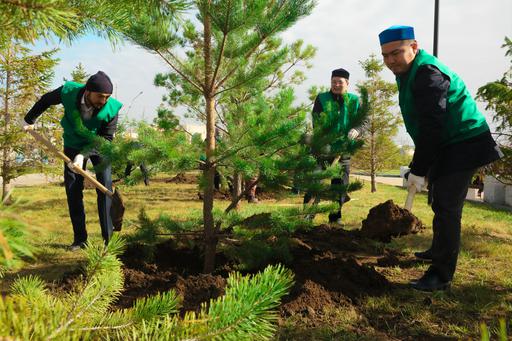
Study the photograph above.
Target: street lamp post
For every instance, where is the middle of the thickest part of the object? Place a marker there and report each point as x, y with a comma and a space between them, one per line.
436, 25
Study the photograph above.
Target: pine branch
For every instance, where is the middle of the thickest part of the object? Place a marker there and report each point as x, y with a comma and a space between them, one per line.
178, 71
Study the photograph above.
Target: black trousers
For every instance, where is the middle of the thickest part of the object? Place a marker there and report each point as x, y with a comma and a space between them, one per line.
448, 196
343, 180
145, 174
74, 191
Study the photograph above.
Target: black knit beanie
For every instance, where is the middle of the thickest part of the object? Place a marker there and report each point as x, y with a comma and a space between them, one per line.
340, 73
99, 82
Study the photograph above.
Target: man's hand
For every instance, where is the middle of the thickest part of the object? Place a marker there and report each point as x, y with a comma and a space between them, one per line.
353, 134
307, 138
78, 162
26, 126
326, 150
416, 181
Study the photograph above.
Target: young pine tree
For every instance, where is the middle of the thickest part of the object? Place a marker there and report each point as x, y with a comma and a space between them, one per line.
221, 40
381, 124
23, 77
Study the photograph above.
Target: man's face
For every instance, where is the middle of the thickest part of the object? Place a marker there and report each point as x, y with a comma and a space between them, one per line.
399, 55
339, 85
96, 99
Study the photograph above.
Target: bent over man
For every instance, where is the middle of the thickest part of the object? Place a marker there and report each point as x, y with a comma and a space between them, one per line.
89, 111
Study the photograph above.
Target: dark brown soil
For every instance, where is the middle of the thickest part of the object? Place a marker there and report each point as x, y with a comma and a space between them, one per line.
388, 220
332, 267
184, 178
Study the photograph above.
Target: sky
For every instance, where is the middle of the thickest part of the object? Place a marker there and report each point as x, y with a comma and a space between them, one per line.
344, 32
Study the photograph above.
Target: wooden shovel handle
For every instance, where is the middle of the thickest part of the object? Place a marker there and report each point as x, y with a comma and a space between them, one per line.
67, 160
410, 197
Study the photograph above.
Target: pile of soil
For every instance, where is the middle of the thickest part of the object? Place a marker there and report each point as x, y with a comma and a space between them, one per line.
388, 220
184, 178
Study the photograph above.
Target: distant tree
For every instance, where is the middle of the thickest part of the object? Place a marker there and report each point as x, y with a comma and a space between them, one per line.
379, 150
78, 75
216, 48
23, 77
498, 95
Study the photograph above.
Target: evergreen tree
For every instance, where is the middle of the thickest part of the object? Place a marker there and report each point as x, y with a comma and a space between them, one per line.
79, 75
498, 95
250, 115
23, 78
381, 124
224, 37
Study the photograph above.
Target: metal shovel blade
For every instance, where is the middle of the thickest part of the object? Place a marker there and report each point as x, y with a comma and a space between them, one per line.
117, 210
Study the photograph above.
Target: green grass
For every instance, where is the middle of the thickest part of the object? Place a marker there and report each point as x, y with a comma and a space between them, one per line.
481, 291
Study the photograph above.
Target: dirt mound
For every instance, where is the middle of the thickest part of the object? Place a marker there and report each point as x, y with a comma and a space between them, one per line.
310, 298
388, 220
218, 195
198, 289
184, 178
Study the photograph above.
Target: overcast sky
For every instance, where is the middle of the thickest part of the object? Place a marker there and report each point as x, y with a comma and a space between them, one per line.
471, 33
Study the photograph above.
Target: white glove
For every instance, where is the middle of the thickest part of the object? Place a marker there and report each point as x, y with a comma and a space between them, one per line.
353, 134
26, 126
308, 137
417, 181
326, 149
78, 162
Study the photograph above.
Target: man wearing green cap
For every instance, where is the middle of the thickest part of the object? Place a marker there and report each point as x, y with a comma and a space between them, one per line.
89, 111
341, 105
451, 138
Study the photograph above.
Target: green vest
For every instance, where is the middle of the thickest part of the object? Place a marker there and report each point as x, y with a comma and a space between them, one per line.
342, 116
462, 121
77, 132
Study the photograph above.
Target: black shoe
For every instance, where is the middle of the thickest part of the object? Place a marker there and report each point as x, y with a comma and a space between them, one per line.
424, 255
76, 246
430, 282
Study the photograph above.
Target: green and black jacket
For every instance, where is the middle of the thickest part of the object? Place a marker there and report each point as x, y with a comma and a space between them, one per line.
448, 130
77, 133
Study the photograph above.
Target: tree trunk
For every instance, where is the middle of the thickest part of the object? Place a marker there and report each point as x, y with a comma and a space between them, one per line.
237, 190
372, 162
210, 234
234, 201
6, 152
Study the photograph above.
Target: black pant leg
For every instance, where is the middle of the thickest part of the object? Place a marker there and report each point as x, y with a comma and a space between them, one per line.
74, 184
343, 180
449, 193
104, 176
145, 173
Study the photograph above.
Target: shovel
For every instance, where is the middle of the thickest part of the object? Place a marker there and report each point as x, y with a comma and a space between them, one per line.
116, 209
410, 197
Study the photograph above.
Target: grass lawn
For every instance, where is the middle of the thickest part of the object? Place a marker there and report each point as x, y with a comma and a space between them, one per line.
481, 291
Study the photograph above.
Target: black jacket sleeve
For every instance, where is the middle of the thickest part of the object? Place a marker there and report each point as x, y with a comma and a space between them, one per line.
317, 107
47, 100
430, 91
108, 129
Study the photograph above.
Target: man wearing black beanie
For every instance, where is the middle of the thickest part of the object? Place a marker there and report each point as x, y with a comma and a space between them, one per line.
89, 111
341, 105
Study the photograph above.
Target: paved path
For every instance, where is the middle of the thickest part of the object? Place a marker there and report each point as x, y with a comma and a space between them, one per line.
388, 180
35, 180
